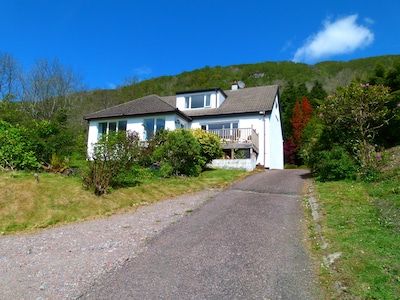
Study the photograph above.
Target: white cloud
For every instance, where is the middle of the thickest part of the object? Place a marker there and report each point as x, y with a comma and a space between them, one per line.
144, 70
111, 85
340, 37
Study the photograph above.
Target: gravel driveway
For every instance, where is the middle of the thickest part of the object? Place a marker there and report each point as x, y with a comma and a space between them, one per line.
245, 242
62, 262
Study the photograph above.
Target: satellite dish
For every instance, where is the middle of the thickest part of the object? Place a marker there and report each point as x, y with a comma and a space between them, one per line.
241, 84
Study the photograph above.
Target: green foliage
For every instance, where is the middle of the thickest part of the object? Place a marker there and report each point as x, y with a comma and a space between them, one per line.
11, 112
360, 107
16, 152
358, 111
113, 159
334, 164
145, 157
317, 94
180, 154
51, 137
210, 145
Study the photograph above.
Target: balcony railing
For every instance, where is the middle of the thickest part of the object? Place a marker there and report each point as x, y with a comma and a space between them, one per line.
240, 137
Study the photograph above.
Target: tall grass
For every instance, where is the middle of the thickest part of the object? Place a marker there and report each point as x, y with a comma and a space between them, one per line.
27, 205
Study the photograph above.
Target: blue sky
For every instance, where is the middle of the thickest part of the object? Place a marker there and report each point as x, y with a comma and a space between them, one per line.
111, 41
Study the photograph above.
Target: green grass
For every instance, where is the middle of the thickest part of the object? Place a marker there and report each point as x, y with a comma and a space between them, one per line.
362, 222
27, 205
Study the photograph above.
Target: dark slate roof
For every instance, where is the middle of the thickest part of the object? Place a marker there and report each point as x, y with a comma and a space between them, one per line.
241, 101
151, 104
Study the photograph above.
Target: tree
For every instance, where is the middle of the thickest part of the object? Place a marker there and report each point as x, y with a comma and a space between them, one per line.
52, 139
10, 74
49, 86
378, 77
357, 112
392, 79
302, 114
317, 94
288, 101
302, 90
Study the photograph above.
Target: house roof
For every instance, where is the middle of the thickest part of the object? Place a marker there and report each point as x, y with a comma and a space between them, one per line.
151, 104
247, 100
214, 89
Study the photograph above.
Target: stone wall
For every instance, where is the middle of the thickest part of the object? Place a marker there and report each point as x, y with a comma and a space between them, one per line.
248, 164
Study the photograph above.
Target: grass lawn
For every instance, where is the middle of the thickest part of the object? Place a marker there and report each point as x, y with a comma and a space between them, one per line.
27, 205
361, 221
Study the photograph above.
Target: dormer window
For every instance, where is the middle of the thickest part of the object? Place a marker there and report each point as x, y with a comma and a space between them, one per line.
200, 99
197, 101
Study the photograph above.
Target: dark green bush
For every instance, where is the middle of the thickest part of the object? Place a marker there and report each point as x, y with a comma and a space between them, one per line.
335, 164
16, 151
180, 154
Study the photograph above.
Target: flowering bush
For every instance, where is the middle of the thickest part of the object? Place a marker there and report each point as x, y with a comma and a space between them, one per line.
357, 112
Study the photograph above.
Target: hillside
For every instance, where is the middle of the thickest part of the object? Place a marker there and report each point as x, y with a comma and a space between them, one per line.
329, 73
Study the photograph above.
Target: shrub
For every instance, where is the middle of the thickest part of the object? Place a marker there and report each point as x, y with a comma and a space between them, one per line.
16, 152
51, 138
358, 112
334, 164
113, 156
145, 158
210, 145
180, 154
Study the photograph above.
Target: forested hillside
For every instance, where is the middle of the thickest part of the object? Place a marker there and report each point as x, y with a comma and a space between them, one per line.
329, 74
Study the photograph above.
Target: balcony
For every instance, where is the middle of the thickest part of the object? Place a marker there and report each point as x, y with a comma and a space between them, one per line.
238, 139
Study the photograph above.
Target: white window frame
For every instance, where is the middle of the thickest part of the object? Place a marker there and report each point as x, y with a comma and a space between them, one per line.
117, 123
150, 132
206, 101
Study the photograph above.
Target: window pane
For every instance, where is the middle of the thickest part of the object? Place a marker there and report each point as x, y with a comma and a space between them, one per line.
102, 129
226, 125
160, 124
187, 99
197, 101
214, 126
148, 128
122, 125
208, 101
112, 127
235, 125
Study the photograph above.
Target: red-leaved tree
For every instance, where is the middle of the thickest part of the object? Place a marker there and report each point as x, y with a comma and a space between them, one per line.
302, 114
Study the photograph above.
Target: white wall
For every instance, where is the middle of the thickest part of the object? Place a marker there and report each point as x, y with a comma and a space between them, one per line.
133, 125
276, 138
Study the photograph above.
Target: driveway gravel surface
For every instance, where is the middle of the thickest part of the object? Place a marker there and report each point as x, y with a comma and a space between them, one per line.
247, 242
62, 262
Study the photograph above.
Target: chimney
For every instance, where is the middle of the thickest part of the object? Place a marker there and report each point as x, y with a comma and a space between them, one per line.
235, 85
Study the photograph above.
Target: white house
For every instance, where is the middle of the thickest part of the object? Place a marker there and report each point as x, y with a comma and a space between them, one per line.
248, 120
